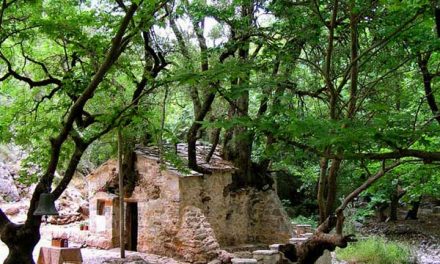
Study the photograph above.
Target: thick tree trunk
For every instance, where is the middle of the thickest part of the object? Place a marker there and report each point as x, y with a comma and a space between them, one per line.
394, 204
322, 186
332, 186
309, 251
412, 213
21, 241
423, 61
128, 166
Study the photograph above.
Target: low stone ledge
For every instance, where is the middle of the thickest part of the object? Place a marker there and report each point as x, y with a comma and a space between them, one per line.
243, 261
297, 240
267, 256
307, 235
275, 247
265, 252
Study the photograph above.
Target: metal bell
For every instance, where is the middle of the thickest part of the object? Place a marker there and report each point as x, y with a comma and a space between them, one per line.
46, 205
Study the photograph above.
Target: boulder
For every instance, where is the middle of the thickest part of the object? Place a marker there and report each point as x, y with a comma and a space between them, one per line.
12, 210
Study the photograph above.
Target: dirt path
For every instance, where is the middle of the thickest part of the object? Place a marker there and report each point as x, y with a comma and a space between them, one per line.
90, 255
96, 256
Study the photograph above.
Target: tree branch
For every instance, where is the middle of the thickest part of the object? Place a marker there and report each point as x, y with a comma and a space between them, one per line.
27, 80
426, 156
366, 184
75, 111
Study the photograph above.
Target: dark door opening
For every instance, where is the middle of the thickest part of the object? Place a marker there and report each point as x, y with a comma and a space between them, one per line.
131, 226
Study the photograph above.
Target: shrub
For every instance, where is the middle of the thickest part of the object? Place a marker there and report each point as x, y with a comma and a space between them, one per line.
375, 250
303, 220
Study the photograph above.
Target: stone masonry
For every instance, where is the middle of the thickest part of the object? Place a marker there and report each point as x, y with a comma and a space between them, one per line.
188, 216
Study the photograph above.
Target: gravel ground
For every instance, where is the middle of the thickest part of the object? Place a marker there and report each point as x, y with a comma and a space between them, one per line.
96, 256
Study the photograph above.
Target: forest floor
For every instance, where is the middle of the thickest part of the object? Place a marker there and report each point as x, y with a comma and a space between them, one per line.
422, 234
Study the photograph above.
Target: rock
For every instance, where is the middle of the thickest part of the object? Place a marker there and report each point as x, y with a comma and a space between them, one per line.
13, 210
243, 261
128, 260
84, 210
65, 219
196, 238
297, 240
326, 258
266, 256
8, 190
274, 247
357, 225
224, 256
436, 210
99, 242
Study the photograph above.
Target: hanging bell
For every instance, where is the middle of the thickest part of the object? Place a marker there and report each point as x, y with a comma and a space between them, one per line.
46, 205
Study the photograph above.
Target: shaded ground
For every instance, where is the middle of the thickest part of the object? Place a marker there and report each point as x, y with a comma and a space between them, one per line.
90, 255
96, 256
422, 234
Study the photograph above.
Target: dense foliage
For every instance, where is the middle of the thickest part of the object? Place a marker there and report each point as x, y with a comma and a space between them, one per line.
341, 94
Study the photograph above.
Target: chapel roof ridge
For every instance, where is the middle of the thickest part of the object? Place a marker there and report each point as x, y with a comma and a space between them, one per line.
216, 163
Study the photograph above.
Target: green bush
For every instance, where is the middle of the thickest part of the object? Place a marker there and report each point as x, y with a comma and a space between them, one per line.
375, 250
303, 220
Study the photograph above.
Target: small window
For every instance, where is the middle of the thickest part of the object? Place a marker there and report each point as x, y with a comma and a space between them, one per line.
100, 207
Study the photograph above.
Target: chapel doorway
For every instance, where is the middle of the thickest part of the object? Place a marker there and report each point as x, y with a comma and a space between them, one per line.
131, 226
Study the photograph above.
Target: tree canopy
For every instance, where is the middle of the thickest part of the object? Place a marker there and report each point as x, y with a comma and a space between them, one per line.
343, 92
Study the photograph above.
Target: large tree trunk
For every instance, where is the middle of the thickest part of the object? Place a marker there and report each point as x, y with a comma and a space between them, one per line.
332, 186
394, 204
412, 213
309, 251
322, 186
21, 241
128, 166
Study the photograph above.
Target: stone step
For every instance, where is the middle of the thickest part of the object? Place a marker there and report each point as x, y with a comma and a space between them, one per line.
297, 240
243, 261
307, 235
245, 247
274, 247
267, 256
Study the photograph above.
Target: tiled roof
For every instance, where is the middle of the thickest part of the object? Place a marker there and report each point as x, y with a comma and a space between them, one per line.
216, 163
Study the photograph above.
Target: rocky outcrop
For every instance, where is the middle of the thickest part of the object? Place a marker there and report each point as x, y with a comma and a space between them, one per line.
9, 167
15, 195
196, 240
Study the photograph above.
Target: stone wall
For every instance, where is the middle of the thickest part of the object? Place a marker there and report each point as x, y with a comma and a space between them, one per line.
104, 228
98, 179
158, 196
272, 222
190, 217
237, 217
195, 241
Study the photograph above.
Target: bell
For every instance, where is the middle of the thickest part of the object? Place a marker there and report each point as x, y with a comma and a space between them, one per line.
46, 205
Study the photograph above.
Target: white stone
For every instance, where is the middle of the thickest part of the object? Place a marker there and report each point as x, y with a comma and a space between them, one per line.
243, 261
307, 235
297, 240
265, 252
275, 247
